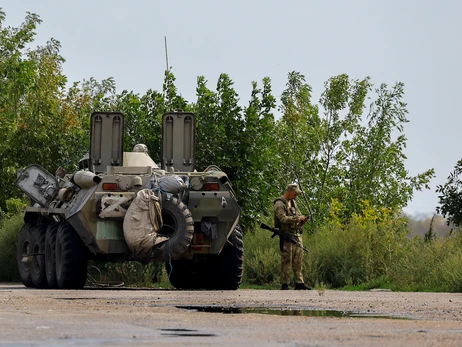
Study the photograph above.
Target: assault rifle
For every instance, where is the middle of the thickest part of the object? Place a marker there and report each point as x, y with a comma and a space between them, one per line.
283, 236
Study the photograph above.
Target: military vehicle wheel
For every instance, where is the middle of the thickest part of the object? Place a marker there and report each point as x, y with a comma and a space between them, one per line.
50, 255
22, 255
178, 226
187, 274
71, 258
230, 265
38, 275
222, 272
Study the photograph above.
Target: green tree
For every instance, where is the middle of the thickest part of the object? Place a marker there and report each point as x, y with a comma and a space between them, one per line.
450, 197
40, 120
78, 103
172, 100
377, 171
256, 176
32, 123
342, 156
209, 134
241, 141
143, 115
142, 120
16, 78
219, 126
298, 139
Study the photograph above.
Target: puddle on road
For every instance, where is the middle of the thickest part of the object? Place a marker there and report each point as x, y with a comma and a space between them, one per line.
184, 332
286, 312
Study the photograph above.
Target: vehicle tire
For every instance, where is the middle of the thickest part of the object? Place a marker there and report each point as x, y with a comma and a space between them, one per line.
222, 272
38, 274
71, 258
188, 274
178, 226
22, 253
230, 266
50, 255
179, 274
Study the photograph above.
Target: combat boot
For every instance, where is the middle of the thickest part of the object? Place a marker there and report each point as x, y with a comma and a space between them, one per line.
301, 286
285, 286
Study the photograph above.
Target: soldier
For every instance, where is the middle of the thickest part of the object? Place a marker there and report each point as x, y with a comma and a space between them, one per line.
288, 219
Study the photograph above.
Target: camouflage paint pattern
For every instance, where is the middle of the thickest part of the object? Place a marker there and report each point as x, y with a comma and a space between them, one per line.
286, 220
291, 258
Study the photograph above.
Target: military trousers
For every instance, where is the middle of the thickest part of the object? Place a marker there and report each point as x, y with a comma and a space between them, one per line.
291, 259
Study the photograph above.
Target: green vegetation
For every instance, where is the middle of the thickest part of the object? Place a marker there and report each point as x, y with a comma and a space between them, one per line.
135, 274
450, 199
9, 230
337, 149
373, 250
345, 150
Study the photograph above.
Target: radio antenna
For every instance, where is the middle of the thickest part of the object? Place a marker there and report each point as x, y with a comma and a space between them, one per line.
166, 52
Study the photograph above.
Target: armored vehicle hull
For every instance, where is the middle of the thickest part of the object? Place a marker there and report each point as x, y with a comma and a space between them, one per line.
122, 207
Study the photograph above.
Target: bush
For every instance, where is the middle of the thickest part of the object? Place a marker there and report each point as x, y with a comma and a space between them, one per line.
430, 266
372, 250
261, 258
9, 230
449, 274
361, 251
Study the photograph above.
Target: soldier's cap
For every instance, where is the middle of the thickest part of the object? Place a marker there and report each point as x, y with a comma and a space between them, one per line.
294, 187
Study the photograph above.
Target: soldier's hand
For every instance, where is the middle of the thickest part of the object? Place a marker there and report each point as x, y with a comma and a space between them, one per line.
302, 219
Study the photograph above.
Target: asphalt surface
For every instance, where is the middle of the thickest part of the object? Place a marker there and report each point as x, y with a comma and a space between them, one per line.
148, 317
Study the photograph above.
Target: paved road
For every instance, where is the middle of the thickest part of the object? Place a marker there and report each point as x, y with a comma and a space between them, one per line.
147, 317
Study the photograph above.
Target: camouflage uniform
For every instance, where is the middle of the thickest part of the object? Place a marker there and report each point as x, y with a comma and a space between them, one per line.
286, 219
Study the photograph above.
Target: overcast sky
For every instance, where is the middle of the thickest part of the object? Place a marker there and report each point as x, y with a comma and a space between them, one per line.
414, 42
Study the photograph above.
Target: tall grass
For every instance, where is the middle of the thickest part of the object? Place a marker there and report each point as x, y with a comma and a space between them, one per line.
130, 273
372, 250
261, 258
9, 230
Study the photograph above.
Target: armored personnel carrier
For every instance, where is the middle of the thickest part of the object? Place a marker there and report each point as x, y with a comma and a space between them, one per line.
121, 206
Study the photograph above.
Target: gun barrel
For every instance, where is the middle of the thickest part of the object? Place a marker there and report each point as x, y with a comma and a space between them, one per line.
283, 235
264, 226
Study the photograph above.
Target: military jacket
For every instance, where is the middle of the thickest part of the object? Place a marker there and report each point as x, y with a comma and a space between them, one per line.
286, 216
